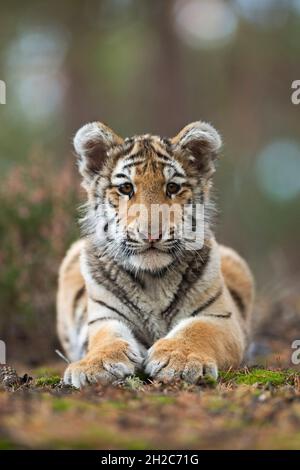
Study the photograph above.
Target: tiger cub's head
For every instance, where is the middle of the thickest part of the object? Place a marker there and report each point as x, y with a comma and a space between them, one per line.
147, 196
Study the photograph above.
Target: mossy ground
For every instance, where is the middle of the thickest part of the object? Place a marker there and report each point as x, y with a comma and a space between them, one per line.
247, 408
259, 376
48, 380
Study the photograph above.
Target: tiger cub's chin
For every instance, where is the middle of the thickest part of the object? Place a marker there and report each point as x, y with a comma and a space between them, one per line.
151, 261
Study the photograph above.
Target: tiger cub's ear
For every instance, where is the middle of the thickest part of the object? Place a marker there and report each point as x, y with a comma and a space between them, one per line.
201, 142
91, 144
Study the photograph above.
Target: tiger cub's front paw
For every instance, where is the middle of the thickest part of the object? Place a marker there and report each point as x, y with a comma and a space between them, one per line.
106, 365
169, 360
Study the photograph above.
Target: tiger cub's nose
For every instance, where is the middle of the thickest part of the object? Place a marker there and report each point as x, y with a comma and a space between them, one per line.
151, 236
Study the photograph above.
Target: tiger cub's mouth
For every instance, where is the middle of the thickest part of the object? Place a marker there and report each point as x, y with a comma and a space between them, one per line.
152, 256
152, 247
150, 260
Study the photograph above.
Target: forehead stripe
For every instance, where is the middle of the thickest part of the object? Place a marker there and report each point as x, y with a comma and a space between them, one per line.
134, 163
163, 156
131, 156
178, 175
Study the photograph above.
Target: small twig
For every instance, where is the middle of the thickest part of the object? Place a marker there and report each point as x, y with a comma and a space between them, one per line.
62, 356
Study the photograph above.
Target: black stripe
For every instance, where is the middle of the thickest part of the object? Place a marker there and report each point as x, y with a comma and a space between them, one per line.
193, 273
161, 272
129, 143
166, 141
179, 175
137, 334
113, 309
111, 204
135, 163
116, 290
124, 151
133, 156
120, 175
100, 319
100, 270
136, 279
225, 315
183, 192
208, 303
78, 296
238, 301
102, 273
170, 164
164, 157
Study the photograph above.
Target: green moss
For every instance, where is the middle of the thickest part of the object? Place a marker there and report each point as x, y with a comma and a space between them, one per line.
45, 372
48, 381
262, 377
209, 381
259, 376
133, 383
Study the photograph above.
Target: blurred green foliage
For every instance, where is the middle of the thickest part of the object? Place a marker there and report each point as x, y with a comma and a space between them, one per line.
37, 224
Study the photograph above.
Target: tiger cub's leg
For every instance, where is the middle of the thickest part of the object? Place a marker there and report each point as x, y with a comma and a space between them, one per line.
113, 353
196, 348
216, 338
240, 283
72, 325
104, 351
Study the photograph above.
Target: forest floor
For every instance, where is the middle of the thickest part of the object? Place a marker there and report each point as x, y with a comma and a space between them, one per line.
249, 408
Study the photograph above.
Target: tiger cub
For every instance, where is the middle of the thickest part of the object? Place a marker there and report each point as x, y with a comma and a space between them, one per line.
135, 293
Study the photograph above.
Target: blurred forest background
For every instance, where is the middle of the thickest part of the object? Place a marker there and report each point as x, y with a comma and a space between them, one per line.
146, 66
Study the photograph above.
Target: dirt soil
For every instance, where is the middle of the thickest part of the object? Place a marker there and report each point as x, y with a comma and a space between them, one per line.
250, 408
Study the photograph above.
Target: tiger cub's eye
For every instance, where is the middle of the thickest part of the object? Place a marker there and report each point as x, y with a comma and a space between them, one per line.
173, 188
126, 189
